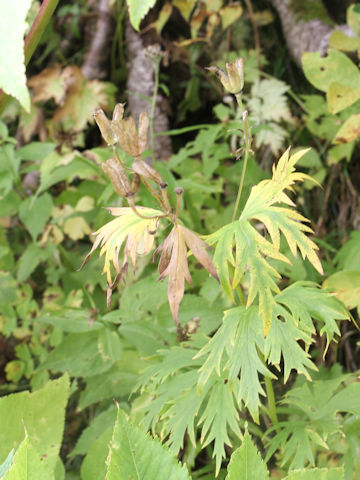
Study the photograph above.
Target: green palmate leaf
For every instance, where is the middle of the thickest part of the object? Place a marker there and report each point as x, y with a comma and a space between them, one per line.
12, 30
233, 352
246, 463
297, 307
253, 249
28, 465
313, 418
134, 454
42, 413
219, 415
316, 474
306, 301
128, 229
282, 343
138, 9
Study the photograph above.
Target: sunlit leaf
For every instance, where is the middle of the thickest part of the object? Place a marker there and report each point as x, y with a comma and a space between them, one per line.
241, 248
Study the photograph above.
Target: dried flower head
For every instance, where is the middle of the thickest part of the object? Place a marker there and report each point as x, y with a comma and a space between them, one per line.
123, 131
233, 80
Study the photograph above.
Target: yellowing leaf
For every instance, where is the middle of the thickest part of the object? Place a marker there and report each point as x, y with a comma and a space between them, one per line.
349, 131
230, 14
48, 84
346, 285
82, 98
173, 262
340, 97
129, 228
76, 228
241, 248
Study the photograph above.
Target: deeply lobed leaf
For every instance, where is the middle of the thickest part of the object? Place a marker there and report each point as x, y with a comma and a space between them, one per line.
240, 248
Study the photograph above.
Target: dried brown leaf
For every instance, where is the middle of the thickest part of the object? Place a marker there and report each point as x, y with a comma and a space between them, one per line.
173, 263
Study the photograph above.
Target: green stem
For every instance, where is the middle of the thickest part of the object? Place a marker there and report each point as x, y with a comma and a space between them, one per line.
270, 394
152, 113
33, 38
37, 29
247, 133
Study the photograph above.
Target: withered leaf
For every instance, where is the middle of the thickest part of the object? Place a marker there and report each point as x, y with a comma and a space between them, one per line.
173, 263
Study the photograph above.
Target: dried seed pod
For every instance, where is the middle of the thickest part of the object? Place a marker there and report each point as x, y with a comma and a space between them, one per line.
115, 171
144, 122
105, 126
144, 170
233, 80
118, 112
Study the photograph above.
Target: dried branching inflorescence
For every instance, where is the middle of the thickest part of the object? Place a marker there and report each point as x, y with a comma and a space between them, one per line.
123, 131
135, 227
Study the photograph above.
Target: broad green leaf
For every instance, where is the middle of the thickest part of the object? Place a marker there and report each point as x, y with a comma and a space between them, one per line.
36, 151
336, 67
348, 257
93, 466
42, 413
340, 41
7, 463
353, 18
7, 288
33, 255
52, 174
347, 400
316, 474
349, 131
12, 30
138, 9
35, 212
134, 454
80, 354
246, 463
28, 465
102, 422
340, 97
346, 285
252, 249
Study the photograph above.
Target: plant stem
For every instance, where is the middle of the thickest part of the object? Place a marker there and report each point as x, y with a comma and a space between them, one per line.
152, 113
247, 133
33, 38
37, 29
270, 394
